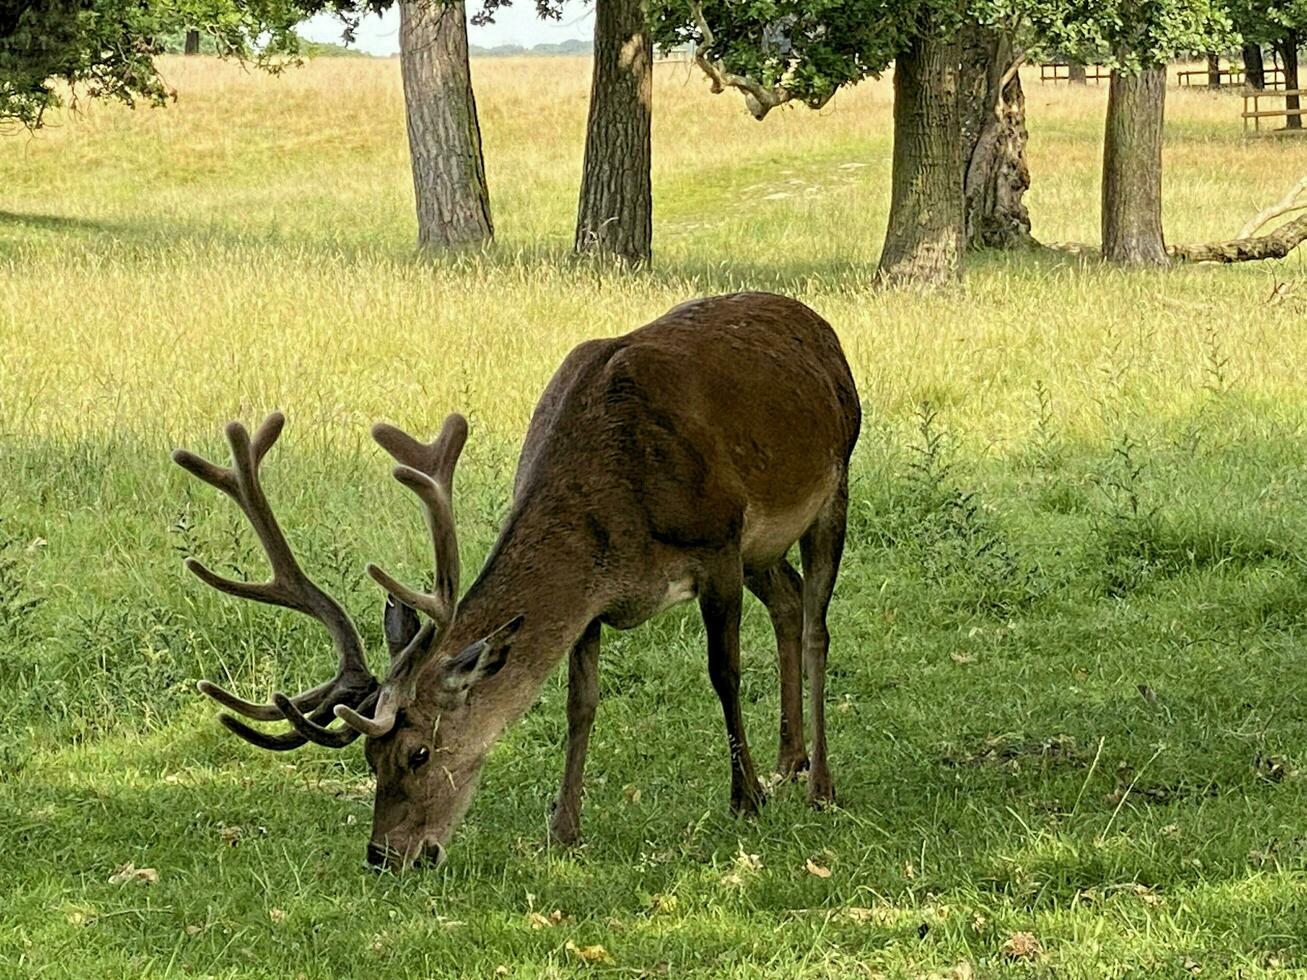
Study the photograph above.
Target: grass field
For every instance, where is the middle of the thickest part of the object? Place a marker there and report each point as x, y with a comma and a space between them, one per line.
1068, 730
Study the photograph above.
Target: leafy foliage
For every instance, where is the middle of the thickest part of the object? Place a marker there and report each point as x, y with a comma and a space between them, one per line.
61, 49
1124, 34
104, 46
1264, 21
811, 48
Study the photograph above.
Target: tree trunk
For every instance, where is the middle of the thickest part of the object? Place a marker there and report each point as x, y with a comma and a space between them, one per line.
192, 42
1132, 168
993, 124
1288, 46
1213, 70
444, 138
615, 214
1076, 73
1254, 71
923, 243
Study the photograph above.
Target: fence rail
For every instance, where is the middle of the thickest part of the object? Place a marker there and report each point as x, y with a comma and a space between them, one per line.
1272, 77
1257, 113
1060, 71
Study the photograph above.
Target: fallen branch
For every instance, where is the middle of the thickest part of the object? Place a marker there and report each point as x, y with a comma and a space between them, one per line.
1276, 245
1248, 247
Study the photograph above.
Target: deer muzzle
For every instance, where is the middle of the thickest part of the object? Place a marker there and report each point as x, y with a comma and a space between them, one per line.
383, 857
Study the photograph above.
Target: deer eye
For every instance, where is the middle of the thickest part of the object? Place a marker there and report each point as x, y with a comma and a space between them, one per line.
419, 758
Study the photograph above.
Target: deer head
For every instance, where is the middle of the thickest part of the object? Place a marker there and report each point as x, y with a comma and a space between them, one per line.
420, 742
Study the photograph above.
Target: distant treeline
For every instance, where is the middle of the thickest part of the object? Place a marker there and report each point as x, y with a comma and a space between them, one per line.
174, 42
572, 46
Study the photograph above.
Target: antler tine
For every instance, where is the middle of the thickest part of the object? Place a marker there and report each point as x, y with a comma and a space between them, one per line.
262, 712
313, 727
308, 731
428, 471
289, 587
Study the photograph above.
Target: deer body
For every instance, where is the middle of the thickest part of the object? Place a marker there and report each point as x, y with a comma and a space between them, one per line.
679, 461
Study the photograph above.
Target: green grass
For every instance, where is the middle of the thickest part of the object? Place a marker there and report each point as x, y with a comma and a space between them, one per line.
1066, 672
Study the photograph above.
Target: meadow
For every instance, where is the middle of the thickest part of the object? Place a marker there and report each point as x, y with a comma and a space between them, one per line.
1068, 720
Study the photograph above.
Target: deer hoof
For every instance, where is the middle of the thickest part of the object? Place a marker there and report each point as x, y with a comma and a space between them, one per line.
821, 789
790, 763
748, 802
564, 828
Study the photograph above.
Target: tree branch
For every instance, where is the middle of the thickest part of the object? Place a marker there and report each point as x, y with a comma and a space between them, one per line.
759, 99
1286, 204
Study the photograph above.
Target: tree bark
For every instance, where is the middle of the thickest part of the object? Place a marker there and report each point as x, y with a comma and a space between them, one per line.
993, 124
1288, 46
615, 213
1254, 70
1132, 168
923, 243
1213, 70
192, 42
1076, 73
444, 137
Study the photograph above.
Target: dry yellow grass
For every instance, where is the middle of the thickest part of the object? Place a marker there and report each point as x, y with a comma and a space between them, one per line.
249, 246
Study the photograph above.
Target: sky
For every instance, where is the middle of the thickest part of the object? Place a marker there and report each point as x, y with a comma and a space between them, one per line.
517, 24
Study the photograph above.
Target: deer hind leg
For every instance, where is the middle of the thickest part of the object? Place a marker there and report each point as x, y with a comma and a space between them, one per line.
582, 698
821, 547
780, 589
719, 603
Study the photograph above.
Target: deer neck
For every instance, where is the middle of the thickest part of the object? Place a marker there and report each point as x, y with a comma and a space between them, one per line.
553, 582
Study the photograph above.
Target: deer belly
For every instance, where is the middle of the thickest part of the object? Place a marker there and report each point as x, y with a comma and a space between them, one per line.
768, 534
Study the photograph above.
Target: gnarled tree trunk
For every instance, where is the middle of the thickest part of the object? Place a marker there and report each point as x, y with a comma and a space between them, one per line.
1288, 46
923, 244
1076, 73
1213, 70
192, 42
444, 137
993, 124
1132, 168
1254, 70
615, 215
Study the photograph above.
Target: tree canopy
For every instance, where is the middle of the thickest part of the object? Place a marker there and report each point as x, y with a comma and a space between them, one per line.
1265, 21
58, 50
1122, 34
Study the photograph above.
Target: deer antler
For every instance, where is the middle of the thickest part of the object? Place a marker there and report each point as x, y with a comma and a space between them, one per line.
428, 470
289, 587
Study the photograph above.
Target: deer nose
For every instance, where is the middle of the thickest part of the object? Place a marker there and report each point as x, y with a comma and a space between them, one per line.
381, 856
432, 856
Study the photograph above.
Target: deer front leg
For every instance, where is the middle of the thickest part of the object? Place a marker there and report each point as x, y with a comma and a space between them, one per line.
582, 697
719, 603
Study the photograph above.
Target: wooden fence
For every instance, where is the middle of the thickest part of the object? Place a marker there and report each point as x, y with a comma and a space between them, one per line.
1060, 71
1256, 113
1272, 77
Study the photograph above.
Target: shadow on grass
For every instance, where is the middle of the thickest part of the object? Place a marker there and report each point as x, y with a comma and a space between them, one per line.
51, 222
785, 273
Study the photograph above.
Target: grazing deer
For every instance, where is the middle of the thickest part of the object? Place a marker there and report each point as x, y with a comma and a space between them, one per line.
679, 461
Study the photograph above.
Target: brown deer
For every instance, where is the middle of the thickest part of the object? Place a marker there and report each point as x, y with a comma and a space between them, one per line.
679, 461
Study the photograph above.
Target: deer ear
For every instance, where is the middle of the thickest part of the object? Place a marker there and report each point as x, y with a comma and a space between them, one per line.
484, 658
401, 624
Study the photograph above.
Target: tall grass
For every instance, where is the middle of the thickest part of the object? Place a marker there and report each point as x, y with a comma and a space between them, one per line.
1067, 639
